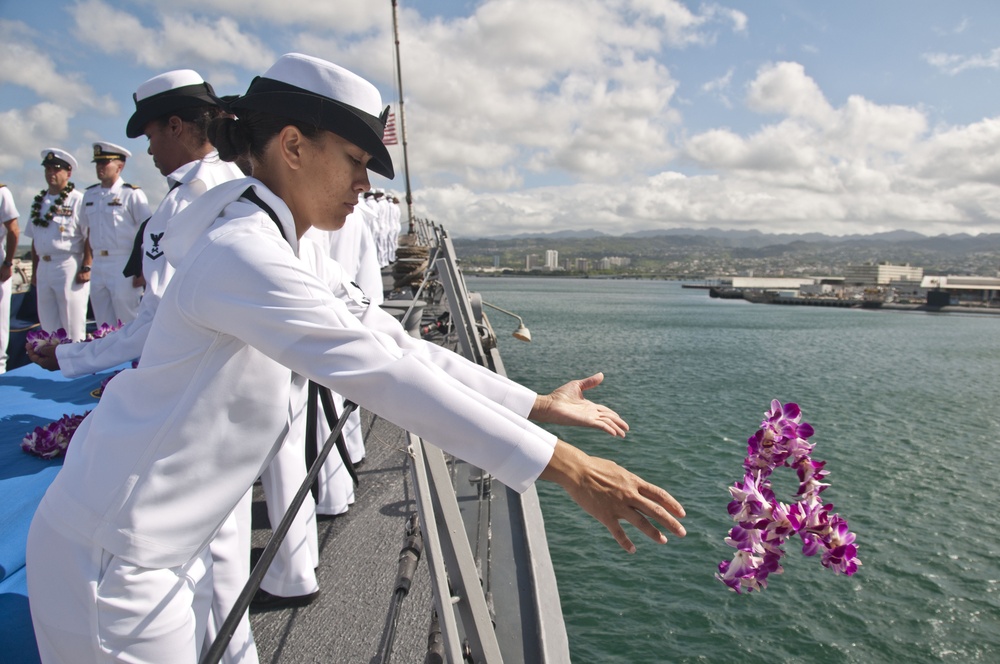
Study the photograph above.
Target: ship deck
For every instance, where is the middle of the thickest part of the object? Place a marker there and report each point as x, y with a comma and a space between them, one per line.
359, 551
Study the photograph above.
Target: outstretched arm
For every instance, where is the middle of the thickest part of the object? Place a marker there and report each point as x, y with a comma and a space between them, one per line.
566, 405
611, 494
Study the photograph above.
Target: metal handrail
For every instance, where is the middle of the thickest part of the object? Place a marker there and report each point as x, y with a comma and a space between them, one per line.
459, 586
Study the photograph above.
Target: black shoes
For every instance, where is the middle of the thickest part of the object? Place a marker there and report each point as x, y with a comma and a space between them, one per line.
265, 601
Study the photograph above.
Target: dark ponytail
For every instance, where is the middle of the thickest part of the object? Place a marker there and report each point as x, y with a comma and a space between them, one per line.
244, 138
230, 138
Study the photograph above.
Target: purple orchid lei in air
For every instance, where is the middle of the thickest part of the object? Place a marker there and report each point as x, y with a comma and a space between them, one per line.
764, 523
52, 440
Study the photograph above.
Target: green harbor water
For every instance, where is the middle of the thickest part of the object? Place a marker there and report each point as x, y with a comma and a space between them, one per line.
905, 407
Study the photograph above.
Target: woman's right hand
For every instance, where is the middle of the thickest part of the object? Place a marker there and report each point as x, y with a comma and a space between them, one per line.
611, 494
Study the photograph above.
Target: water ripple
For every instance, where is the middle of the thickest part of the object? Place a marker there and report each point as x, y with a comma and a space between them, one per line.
904, 408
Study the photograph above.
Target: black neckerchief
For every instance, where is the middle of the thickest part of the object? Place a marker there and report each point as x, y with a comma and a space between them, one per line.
252, 196
134, 266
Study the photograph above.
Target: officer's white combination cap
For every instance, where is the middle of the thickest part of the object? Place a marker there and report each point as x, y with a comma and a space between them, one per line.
322, 94
167, 93
104, 151
58, 157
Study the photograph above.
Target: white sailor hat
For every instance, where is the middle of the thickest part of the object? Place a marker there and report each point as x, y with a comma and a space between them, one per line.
320, 93
58, 157
104, 151
168, 93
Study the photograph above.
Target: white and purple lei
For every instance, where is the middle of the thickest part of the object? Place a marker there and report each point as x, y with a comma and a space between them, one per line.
764, 523
51, 441
39, 338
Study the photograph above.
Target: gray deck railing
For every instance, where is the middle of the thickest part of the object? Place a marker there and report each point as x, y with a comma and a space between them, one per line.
539, 634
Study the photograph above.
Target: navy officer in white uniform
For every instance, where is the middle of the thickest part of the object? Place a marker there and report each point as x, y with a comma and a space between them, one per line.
118, 548
114, 210
60, 257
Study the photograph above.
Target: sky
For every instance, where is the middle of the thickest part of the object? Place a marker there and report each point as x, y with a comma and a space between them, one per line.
848, 117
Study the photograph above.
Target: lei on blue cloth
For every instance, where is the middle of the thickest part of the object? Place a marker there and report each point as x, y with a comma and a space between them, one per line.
52, 440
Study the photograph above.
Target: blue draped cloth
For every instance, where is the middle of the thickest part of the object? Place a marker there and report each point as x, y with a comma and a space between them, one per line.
29, 397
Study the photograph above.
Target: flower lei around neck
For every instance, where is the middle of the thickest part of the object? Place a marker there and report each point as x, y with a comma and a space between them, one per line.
763, 523
36, 206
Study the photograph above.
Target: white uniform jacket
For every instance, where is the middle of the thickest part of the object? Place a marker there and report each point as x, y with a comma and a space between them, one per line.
173, 445
63, 236
113, 217
187, 183
354, 248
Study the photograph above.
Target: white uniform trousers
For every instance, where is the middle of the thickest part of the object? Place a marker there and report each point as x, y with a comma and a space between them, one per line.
89, 606
6, 291
112, 294
336, 488
230, 553
293, 570
62, 301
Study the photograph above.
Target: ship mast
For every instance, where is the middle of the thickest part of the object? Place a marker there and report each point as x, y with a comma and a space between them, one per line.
402, 116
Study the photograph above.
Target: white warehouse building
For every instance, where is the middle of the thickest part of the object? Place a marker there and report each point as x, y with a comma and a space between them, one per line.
880, 274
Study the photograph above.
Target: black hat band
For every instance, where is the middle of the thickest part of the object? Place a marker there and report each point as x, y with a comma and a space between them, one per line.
167, 102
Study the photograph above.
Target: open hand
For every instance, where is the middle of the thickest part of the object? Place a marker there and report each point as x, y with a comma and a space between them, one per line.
566, 405
612, 494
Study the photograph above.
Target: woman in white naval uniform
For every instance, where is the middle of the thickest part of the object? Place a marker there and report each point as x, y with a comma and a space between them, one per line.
173, 110
191, 165
117, 553
114, 210
60, 256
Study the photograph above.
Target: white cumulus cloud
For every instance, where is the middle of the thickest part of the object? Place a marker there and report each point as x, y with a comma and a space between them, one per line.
23, 130
178, 38
953, 64
28, 65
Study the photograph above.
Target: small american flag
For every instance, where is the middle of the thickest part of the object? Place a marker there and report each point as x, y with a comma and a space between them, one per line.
389, 136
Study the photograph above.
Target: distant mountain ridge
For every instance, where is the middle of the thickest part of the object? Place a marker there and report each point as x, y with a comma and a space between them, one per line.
713, 250
556, 235
780, 238
754, 239
774, 238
